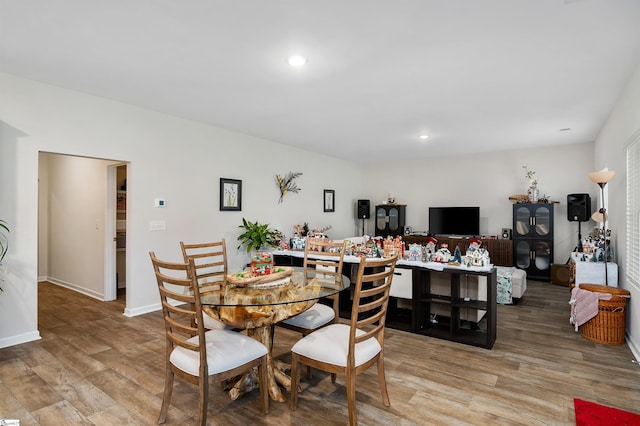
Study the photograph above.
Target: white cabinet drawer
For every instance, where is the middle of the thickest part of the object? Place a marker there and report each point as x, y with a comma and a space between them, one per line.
402, 283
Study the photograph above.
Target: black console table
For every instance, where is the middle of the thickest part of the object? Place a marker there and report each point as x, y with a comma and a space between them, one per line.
452, 303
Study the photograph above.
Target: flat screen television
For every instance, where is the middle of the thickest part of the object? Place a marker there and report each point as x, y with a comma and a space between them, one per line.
459, 221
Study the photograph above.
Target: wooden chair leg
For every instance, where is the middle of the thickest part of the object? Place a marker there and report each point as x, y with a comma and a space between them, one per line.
262, 380
308, 373
304, 334
383, 382
203, 400
351, 398
166, 396
295, 381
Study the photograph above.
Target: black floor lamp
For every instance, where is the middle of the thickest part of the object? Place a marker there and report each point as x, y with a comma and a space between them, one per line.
602, 178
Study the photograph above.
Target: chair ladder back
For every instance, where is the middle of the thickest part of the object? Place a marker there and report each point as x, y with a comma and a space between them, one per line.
370, 304
327, 255
330, 266
210, 260
333, 266
176, 319
181, 319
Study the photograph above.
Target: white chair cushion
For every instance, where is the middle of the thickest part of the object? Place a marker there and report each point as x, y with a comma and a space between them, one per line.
225, 350
213, 324
314, 317
331, 345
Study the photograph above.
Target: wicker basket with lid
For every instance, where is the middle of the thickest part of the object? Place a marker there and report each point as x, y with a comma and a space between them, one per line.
609, 325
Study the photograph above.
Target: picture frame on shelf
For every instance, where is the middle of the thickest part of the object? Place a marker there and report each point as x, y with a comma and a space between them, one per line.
329, 200
230, 194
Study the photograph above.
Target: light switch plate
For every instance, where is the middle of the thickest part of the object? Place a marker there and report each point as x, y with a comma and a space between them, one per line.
157, 225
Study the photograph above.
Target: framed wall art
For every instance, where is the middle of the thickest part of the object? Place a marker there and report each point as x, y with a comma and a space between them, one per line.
230, 194
329, 200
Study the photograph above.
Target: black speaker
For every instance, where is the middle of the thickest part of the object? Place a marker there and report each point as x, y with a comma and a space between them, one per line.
363, 209
578, 207
506, 234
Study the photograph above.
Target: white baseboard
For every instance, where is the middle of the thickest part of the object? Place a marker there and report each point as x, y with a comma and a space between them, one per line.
635, 348
19, 339
142, 310
87, 292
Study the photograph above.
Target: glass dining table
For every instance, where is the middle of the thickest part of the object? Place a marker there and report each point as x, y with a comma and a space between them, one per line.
257, 308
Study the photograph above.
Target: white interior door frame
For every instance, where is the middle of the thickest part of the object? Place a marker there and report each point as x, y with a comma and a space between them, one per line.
110, 284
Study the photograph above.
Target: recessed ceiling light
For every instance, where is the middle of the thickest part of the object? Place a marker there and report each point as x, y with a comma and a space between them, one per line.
423, 137
296, 61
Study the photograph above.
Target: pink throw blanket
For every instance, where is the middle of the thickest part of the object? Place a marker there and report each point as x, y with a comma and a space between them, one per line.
584, 305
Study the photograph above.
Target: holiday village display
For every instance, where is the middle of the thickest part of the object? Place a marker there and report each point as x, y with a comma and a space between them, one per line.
475, 256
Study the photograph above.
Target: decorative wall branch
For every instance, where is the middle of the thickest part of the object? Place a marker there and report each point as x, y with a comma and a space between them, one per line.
287, 184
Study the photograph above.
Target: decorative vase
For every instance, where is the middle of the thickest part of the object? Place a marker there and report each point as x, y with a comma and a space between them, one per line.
533, 192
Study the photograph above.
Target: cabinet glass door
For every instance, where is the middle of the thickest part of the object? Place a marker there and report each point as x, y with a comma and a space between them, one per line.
381, 218
394, 219
542, 221
543, 255
522, 224
523, 257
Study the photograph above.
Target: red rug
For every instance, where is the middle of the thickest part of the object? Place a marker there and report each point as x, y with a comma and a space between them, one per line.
592, 414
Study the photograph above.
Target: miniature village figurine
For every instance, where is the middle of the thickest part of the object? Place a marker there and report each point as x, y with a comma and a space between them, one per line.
443, 254
415, 252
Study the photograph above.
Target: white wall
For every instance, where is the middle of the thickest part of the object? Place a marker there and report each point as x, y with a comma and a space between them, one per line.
168, 157
74, 187
616, 134
18, 302
487, 180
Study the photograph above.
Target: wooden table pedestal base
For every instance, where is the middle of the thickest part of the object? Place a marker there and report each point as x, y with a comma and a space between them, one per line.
275, 371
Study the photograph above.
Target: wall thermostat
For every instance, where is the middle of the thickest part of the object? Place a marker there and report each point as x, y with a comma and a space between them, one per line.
159, 202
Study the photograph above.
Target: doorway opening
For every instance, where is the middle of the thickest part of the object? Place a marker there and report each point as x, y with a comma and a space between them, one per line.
78, 228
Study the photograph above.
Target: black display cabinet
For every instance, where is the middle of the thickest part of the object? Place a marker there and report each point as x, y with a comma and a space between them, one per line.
533, 239
390, 220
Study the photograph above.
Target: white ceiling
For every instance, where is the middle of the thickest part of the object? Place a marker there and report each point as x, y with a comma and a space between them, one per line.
476, 75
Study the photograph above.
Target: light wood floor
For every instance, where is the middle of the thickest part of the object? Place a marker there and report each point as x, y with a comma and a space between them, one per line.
94, 366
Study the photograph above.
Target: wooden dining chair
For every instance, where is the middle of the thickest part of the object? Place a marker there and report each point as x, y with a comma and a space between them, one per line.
326, 256
193, 353
210, 261
350, 349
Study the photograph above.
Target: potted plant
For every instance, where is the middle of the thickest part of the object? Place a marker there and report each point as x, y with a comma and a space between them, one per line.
4, 246
257, 236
